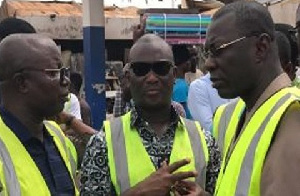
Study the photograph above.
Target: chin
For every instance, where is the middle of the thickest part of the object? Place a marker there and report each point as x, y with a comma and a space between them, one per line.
226, 94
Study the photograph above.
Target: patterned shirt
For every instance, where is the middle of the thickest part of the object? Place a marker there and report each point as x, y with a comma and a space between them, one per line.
95, 177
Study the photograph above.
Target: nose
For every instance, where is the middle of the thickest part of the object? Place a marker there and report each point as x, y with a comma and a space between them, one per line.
151, 77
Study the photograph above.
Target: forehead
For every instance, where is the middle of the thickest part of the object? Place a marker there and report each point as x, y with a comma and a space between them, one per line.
149, 52
222, 29
49, 57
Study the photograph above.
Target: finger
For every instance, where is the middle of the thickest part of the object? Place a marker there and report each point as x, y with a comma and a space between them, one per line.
182, 190
186, 183
174, 166
183, 175
164, 164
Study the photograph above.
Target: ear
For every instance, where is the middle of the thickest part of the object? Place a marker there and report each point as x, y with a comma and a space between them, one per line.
20, 83
263, 46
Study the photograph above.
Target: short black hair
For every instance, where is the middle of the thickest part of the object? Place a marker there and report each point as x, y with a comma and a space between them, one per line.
10, 26
251, 18
181, 54
284, 47
76, 80
289, 32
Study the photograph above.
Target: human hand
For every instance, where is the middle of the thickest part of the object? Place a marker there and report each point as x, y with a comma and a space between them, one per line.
63, 117
162, 181
189, 188
139, 30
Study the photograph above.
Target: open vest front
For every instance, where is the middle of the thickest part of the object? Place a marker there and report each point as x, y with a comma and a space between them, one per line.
130, 163
241, 174
19, 175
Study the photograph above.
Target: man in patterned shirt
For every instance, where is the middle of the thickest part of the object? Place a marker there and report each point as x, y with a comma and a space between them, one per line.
150, 150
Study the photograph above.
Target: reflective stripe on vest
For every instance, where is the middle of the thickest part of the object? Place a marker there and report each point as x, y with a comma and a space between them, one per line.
224, 123
61, 137
247, 164
11, 149
11, 181
119, 158
243, 170
216, 121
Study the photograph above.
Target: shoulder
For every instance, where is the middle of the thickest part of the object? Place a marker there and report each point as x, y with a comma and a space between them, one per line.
290, 120
286, 138
199, 83
283, 157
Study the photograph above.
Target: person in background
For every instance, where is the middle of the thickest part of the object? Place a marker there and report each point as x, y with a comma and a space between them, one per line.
145, 151
290, 67
203, 100
72, 106
195, 72
35, 159
181, 88
85, 110
243, 61
122, 103
9, 26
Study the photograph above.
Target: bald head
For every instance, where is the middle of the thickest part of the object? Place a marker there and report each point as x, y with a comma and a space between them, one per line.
21, 51
150, 43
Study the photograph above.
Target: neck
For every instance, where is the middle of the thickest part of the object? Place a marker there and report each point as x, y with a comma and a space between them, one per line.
158, 119
261, 85
33, 124
180, 73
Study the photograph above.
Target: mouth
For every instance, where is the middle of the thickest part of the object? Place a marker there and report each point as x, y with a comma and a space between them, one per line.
152, 91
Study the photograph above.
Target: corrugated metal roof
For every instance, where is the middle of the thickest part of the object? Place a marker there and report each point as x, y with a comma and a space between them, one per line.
115, 12
67, 8
34, 8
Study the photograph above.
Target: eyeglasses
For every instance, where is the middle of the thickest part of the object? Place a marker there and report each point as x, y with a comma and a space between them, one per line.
161, 68
214, 52
55, 74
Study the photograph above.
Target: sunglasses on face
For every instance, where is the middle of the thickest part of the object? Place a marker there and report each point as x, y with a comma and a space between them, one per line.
161, 68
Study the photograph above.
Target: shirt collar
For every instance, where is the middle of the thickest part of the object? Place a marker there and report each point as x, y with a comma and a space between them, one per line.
16, 126
136, 119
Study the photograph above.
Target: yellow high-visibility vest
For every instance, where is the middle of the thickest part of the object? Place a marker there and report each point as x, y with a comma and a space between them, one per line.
130, 163
225, 120
240, 173
19, 175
